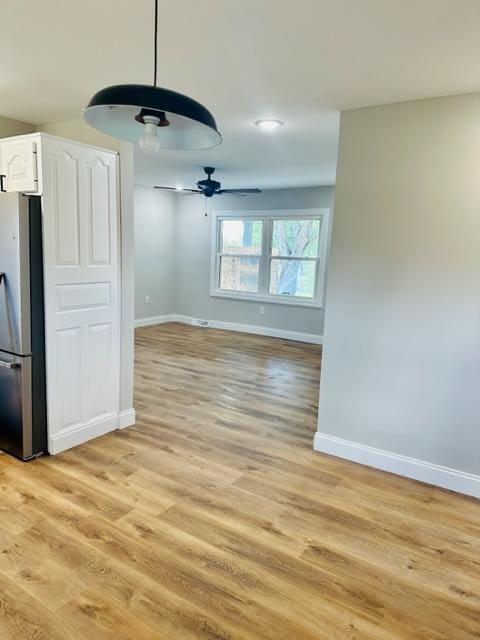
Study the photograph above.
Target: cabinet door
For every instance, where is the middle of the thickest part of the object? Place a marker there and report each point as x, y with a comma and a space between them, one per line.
19, 166
80, 216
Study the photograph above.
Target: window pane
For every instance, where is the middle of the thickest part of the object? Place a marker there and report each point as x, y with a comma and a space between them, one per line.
242, 237
239, 274
295, 238
293, 277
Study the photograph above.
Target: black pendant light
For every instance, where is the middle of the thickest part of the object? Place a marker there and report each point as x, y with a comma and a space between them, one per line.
152, 116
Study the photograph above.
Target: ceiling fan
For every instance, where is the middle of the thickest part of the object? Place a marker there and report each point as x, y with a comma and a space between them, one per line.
210, 188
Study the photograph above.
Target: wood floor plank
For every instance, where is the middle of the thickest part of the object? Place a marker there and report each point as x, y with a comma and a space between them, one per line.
82, 546
23, 617
213, 519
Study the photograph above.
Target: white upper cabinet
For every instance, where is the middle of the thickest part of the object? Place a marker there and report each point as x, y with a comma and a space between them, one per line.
20, 165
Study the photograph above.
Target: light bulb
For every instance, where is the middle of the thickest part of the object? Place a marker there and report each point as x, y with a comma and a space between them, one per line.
149, 142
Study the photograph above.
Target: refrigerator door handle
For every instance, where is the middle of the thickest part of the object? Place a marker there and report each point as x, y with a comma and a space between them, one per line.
9, 365
2, 183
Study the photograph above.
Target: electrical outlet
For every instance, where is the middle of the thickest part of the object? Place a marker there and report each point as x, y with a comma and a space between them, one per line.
262, 310
147, 299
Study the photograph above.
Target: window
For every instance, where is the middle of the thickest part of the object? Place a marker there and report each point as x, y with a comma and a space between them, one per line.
240, 253
270, 256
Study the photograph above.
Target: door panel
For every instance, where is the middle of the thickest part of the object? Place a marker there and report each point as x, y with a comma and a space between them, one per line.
82, 288
19, 160
99, 240
66, 209
69, 366
99, 346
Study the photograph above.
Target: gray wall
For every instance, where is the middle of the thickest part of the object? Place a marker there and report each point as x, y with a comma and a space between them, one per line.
79, 130
401, 367
154, 251
192, 266
9, 127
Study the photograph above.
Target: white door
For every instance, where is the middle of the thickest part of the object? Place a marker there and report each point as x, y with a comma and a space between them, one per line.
19, 166
80, 209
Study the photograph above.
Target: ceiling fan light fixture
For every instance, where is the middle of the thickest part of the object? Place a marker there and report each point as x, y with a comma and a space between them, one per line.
269, 124
125, 111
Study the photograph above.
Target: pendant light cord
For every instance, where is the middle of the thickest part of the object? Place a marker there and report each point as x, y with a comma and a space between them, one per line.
155, 42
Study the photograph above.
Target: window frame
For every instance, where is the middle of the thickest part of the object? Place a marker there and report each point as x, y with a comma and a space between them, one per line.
266, 257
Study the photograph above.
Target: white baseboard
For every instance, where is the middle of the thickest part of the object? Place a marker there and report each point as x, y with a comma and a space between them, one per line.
234, 326
126, 418
427, 472
182, 319
146, 322
267, 331
71, 437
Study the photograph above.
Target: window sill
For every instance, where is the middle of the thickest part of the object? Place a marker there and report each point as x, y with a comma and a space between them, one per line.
254, 297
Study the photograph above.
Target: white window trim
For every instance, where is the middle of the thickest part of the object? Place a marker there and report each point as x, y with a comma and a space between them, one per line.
317, 301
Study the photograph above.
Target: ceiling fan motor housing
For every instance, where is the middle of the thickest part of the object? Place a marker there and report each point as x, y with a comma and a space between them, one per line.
209, 186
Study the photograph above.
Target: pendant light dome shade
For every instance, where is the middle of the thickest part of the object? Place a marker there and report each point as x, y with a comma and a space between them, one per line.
183, 123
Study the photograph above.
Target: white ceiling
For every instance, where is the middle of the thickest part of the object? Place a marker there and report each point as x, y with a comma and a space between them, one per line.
300, 61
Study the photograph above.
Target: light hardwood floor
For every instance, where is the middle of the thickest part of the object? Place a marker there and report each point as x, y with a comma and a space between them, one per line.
213, 519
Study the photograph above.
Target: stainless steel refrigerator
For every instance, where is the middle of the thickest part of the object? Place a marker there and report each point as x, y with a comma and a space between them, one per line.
23, 421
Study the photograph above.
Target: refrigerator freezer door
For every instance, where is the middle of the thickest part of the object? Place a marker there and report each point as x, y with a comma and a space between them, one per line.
16, 406
14, 274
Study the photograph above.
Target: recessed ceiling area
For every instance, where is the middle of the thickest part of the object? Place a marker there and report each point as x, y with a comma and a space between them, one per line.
299, 62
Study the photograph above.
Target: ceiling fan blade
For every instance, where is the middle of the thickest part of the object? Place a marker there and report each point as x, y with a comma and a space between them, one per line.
179, 190
190, 192
240, 191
